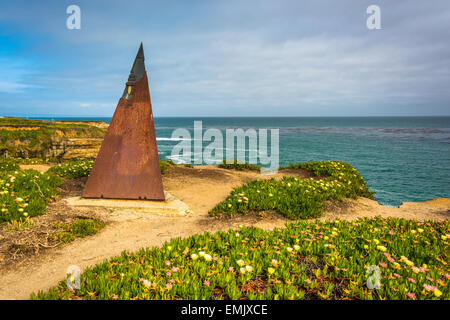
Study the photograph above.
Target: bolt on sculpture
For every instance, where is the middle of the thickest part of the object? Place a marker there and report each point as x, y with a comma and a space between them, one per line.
127, 165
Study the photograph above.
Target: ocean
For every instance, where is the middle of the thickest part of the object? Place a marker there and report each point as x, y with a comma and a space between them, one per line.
401, 158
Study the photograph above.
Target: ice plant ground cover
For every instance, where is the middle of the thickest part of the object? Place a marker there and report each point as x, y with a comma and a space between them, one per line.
24, 193
73, 169
305, 260
295, 197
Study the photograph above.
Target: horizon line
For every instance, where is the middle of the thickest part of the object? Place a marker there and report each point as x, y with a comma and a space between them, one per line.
223, 116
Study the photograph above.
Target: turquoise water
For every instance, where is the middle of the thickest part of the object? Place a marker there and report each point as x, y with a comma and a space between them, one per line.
401, 158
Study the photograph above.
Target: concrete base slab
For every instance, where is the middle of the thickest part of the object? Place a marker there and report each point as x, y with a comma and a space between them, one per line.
171, 206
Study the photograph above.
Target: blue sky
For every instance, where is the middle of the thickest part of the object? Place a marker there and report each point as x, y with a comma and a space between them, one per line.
228, 58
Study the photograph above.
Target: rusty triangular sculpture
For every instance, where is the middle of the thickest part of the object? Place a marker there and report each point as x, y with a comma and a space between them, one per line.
127, 165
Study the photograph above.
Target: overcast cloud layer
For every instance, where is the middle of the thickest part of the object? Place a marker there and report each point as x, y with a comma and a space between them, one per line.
228, 58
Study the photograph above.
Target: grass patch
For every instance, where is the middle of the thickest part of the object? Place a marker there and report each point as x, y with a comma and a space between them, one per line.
236, 165
80, 228
20, 225
305, 260
296, 198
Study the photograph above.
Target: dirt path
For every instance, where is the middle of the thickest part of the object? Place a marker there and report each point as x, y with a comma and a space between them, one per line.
39, 167
201, 188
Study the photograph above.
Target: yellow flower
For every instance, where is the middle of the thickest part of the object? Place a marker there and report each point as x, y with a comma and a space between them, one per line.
194, 256
289, 249
296, 247
326, 238
249, 268
420, 230
271, 270
409, 263
242, 270
444, 238
437, 293
366, 246
376, 241
201, 253
381, 248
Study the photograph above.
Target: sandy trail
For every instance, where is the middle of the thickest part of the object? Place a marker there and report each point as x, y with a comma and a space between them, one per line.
200, 188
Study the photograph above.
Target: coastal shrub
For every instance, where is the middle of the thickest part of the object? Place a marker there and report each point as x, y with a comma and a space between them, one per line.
239, 166
293, 197
25, 193
164, 164
73, 169
305, 260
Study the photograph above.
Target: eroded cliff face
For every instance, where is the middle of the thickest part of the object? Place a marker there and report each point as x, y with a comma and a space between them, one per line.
74, 148
61, 140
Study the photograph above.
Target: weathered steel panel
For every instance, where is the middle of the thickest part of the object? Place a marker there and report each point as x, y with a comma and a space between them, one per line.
127, 165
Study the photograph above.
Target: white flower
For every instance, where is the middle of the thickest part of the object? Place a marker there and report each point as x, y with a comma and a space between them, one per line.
201, 253
147, 283
240, 263
249, 268
207, 257
194, 256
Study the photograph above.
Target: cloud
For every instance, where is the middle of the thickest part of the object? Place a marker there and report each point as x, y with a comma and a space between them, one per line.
234, 57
